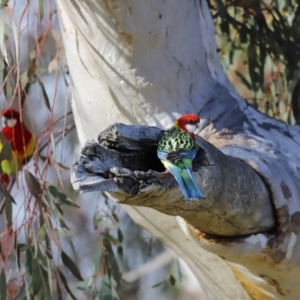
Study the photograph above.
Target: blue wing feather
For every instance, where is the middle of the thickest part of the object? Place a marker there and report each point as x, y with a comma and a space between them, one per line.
161, 154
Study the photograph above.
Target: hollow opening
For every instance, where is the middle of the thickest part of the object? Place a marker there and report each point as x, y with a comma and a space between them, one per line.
151, 161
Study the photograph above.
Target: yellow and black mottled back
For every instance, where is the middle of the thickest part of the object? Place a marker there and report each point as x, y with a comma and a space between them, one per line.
175, 145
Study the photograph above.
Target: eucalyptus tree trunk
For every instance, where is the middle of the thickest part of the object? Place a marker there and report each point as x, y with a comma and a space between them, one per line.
148, 62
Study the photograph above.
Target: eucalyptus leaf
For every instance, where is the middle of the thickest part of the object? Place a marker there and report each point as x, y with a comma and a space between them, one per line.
65, 284
33, 184
3, 285
45, 95
21, 294
296, 102
61, 196
68, 262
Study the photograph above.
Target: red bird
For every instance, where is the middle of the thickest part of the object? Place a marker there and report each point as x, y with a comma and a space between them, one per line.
21, 140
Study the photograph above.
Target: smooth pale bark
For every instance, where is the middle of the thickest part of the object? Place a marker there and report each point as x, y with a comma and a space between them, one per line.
147, 62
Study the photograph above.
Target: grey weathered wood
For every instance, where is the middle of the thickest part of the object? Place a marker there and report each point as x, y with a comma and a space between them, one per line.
124, 163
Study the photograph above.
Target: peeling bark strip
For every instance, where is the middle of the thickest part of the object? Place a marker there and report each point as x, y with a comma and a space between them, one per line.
124, 163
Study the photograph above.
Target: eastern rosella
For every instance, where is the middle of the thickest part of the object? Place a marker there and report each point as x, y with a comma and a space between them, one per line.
21, 140
177, 149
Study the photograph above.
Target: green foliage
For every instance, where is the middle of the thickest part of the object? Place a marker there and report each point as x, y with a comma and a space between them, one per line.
3, 285
68, 262
36, 273
174, 282
37, 253
37, 276
106, 280
259, 44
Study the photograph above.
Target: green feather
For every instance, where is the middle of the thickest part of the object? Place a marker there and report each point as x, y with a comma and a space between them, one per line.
177, 149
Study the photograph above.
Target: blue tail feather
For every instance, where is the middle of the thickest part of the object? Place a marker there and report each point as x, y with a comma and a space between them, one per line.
191, 185
186, 182
177, 175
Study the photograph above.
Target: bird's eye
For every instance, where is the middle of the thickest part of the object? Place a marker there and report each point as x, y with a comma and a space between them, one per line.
191, 121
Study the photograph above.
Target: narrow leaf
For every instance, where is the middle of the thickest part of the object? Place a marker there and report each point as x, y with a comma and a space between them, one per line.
6, 153
61, 196
120, 251
41, 9
35, 247
49, 276
58, 166
65, 284
97, 257
40, 282
48, 247
68, 262
243, 35
33, 185
9, 13
53, 65
3, 3
106, 224
111, 260
28, 263
158, 284
172, 280
3, 285
58, 290
53, 145
296, 102
8, 213
120, 235
42, 233
28, 269
2, 37
112, 240
21, 294
7, 196
20, 247
244, 80
96, 217
45, 96
105, 289
24, 80
63, 224
53, 232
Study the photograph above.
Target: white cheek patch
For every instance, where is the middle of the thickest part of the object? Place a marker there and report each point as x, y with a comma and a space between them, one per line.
11, 122
3, 120
191, 127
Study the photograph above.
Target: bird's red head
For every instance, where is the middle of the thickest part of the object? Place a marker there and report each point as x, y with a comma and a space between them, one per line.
10, 118
14, 130
188, 123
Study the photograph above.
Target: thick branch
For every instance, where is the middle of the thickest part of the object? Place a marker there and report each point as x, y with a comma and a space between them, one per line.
124, 163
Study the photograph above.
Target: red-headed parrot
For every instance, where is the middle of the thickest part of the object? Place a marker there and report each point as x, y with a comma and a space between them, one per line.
21, 140
176, 150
